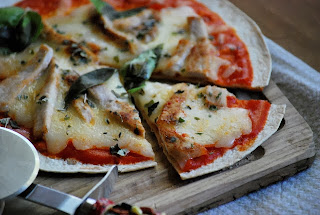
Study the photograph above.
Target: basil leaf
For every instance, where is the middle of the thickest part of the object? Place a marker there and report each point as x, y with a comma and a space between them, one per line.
23, 34
4, 50
18, 29
116, 150
37, 25
152, 107
138, 70
104, 8
14, 124
11, 16
5, 121
86, 81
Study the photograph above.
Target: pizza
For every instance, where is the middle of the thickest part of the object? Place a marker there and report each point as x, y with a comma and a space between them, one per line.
199, 46
76, 79
205, 129
76, 112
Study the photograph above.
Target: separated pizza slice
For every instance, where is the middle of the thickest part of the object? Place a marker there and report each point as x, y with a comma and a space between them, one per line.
92, 125
205, 129
76, 112
212, 43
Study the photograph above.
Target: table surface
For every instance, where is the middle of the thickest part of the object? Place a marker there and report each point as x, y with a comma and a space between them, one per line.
293, 24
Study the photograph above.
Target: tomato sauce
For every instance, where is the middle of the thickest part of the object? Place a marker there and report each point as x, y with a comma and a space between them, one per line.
44, 8
96, 156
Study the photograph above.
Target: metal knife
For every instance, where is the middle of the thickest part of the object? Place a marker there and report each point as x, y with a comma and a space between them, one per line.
19, 167
68, 203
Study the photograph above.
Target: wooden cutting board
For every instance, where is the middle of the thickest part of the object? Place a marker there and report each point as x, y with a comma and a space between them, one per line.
289, 151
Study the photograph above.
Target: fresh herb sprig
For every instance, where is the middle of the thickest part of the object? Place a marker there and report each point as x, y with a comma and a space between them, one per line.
18, 29
135, 72
86, 81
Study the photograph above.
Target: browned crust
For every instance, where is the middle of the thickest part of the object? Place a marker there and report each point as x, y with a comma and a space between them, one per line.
172, 142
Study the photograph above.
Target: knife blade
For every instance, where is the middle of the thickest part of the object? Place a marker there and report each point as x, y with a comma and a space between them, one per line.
104, 187
51, 198
68, 203
101, 190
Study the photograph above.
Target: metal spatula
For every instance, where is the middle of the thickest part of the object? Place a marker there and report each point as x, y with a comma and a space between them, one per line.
19, 166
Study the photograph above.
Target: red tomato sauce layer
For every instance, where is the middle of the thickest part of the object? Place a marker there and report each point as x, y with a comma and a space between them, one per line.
258, 113
96, 156
228, 44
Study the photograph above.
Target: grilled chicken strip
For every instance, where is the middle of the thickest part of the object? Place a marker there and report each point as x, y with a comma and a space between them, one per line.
46, 102
13, 85
83, 109
121, 110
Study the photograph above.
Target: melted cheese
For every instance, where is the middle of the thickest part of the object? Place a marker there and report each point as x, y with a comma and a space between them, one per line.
207, 127
68, 126
153, 91
212, 127
78, 26
200, 124
173, 23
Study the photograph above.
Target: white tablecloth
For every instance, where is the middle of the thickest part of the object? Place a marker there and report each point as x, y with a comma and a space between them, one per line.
299, 194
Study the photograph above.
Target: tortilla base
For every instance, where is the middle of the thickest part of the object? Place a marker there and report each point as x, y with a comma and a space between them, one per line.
63, 166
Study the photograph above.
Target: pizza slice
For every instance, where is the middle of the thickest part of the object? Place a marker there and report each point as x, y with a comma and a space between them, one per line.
205, 129
76, 112
217, 45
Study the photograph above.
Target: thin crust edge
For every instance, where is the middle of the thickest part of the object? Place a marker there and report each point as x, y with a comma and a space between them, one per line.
63, 166
249, 32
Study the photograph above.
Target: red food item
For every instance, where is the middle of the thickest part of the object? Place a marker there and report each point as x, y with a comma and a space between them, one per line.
104, 205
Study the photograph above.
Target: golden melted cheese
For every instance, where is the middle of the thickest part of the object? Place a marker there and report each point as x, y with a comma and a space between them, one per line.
198, 123
153, 91
78, 26
67, 125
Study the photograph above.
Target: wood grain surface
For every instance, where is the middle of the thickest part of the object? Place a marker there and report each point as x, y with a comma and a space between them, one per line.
284, 154
293, 24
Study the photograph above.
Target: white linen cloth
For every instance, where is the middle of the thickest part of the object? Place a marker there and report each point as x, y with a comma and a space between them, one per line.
299, 194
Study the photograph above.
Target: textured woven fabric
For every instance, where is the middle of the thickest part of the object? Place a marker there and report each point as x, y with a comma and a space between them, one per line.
299, 194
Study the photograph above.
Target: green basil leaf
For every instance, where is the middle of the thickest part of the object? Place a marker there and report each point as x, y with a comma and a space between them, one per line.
86, 81
37, 25
18, 29
11, 16
100, 5
104, 8
116, 150
23, 34
135, 72
14, 124
5, 51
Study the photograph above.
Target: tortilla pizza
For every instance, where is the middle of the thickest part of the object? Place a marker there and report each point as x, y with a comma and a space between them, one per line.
69, 91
